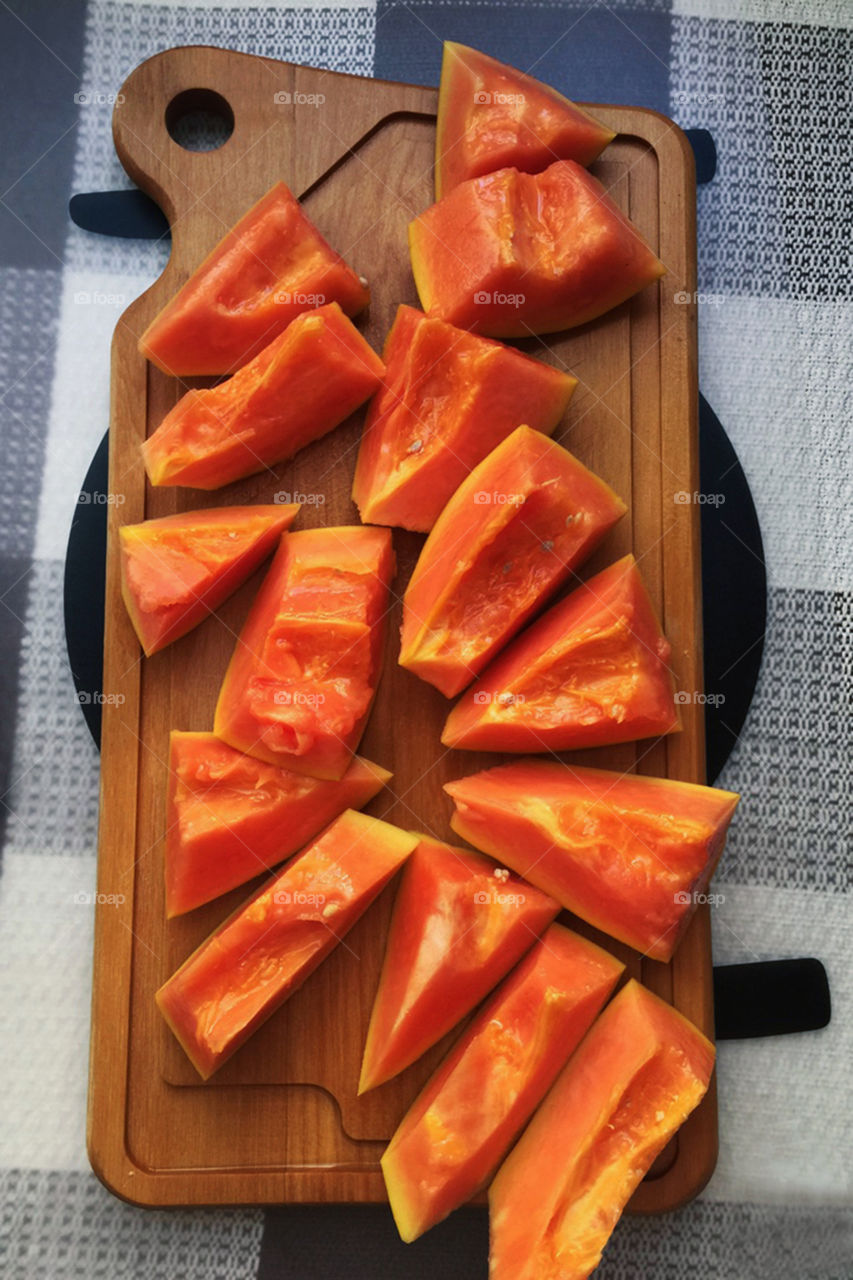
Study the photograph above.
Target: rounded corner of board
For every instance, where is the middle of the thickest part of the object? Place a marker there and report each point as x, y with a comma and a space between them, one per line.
119, 1174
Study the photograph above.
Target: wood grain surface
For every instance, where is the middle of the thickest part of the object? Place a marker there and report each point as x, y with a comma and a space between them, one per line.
281, 1121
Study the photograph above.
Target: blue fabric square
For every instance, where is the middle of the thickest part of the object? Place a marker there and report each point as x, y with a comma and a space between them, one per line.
41, 55
591, 54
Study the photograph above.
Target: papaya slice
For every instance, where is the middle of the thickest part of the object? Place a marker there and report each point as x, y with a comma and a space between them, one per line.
271, 267
492, 116
632, 855
638, 1074
513, 531
512, 254
229, 816
446, 400
309, 379
457, 929
592, 671
300, 684
266, 949
458, 1130
177, 570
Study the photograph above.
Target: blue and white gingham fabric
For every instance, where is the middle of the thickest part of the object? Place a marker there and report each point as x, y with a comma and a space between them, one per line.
771, 79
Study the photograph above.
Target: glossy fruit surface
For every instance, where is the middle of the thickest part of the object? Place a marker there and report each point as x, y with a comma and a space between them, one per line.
492, 116
270, 267
630, 854
457, 929
639, 1072
266, 949
307, 381
469, 1113
177, 570
230, 817
513, 254
592, 671
446, 400
513, 531
305, 668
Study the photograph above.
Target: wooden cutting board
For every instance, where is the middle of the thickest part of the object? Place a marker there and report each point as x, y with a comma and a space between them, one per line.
281, 1121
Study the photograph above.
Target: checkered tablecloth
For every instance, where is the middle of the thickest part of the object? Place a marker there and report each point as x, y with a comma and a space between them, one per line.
771, 79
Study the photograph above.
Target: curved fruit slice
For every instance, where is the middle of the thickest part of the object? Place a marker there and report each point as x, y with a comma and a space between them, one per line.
459, 925
177, 570
629, 854
266, 949
309, 378
298, 689
470, 1112
636, 1077
511, 534
272, 266
447, 399
511, 254
590, 672
229, 816
491, 116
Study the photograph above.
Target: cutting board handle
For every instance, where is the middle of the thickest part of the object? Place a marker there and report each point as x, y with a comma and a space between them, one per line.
202, 193
771, 998
186, 183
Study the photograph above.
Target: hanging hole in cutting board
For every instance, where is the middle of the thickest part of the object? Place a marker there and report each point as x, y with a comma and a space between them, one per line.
199, 120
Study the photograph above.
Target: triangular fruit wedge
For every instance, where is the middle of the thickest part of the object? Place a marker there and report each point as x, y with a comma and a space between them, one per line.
592, 671
309, 379
632, 855
459, 925
229, 816
177, 570
300, 684
268, 269
266, 949
637, 1075
491, 116
457, 1131
512, 533
513, 254
447, 399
